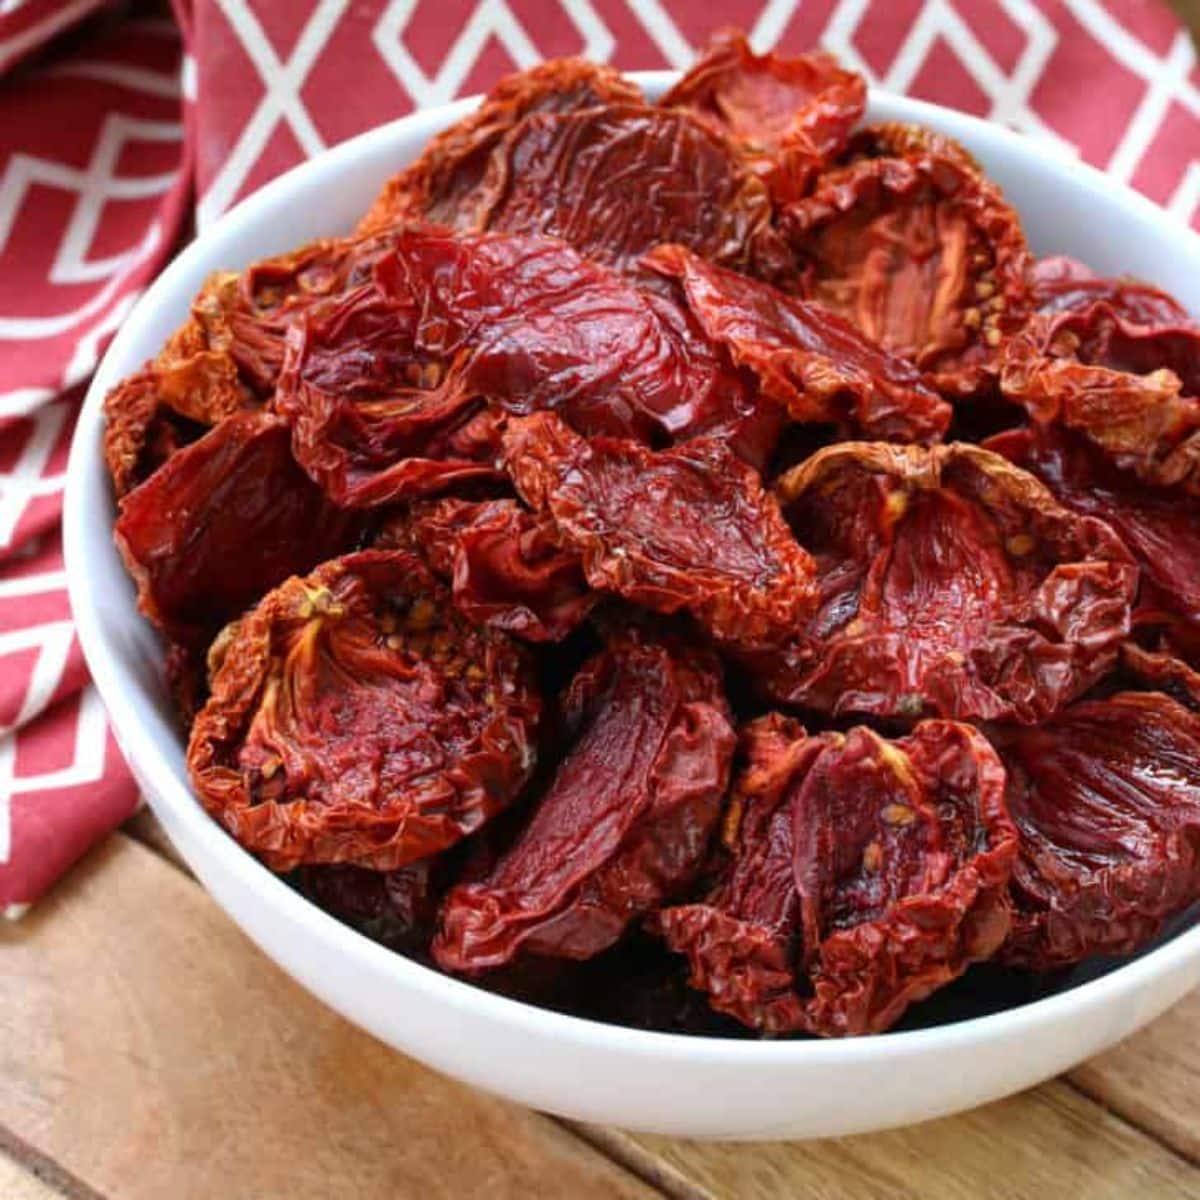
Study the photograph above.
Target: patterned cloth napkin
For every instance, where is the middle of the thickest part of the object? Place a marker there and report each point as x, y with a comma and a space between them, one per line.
123, 126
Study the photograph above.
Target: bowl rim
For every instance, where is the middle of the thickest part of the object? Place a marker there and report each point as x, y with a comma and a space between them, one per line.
148, 757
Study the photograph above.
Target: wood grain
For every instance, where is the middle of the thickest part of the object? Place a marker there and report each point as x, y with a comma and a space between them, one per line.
1050, 1142
1153, 1078
148, 1048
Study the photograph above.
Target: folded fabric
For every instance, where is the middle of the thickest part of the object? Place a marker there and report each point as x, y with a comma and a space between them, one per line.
120, 134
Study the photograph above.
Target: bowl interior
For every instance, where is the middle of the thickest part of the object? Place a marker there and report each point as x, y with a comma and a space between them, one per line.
1066, 208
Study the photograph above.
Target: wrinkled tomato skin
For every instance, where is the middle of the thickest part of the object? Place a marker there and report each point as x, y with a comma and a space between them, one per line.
689, 528
374, 421
571, 176
811, 363
226, 357
504, 564
1107, 800
444, 179
1159, 526
222, 522
354, 718
787, 117
865, 875
950, 584
923, 255
535, 326
624, 823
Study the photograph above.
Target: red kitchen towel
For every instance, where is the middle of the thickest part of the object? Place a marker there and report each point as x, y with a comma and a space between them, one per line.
116, 134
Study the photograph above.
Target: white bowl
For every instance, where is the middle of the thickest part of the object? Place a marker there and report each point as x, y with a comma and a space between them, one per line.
652, 1081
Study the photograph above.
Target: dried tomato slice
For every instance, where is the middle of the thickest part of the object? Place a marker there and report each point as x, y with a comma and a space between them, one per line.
1060, 284
817, 366
951, 583
505, 565
1160, 526
453, 164
922, 254
536, 326
220, 523
1118, 362
787, 117
226, 356
623, 824
373, 420
686, 528
355, 718
1107, 800
865, 874
396, 908
899, 139
615, 181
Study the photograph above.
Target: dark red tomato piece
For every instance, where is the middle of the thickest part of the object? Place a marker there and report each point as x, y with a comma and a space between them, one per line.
787, 116
623, 824
1107, 800
922, 254
226, 356
536, 326
1060, 285
812, 363
901, 139
1118, 362
395, 908
951, 584
616, 181
222, 522
865, 874
356, 718
686, 528
504, 563
441, 182
1160, 526
373, 419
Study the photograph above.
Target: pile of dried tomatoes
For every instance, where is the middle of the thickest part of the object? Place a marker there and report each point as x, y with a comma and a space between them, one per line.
691, 541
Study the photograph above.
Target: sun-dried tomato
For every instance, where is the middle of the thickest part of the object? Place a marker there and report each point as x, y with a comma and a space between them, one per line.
504, 563
165, 406
686, 528
1107, 800
226, 356
1160, 526
787, 117
921, 252
950, 584
813, 363
452, 165
532, 325
356, 718
616, 181
374, 420
865, 874
1060, 284
1159, 669
899, 139
623, 824
222, 522
1117, 362
396, 908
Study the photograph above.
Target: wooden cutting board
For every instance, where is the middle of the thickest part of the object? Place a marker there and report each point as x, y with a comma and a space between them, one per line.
147, 1049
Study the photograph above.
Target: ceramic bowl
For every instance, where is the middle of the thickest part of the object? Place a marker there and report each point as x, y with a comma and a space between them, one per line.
695, 1086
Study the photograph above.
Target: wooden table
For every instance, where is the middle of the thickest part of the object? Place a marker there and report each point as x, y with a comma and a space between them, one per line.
148, 1050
